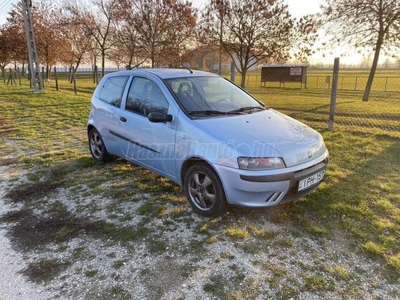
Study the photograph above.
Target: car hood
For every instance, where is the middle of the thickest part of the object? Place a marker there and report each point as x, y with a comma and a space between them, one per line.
266, 134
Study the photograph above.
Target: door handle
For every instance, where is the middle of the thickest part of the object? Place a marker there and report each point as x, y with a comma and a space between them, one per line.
122, 119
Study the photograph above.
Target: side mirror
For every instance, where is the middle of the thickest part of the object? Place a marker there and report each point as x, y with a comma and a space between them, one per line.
157, 117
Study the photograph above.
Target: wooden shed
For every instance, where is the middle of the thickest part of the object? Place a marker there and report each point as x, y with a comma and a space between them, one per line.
284, 73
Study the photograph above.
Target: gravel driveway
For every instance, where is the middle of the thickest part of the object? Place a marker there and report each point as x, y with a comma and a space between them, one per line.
173, 256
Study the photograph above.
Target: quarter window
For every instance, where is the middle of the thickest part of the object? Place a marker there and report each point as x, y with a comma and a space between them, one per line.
112, 90
145, 97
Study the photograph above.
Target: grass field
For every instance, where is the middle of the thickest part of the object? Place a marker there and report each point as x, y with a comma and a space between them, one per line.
54, 182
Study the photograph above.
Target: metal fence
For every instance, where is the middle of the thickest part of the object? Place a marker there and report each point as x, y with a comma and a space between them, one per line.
346, 82
382, 83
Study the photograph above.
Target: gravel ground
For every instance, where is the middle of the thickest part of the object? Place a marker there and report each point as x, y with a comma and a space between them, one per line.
290, 266
13, 285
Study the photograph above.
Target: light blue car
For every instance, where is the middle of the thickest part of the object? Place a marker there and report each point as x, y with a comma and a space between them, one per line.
207, 135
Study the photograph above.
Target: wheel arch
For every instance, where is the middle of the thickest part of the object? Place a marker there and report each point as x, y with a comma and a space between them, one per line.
190, 162
196, 160
89, 127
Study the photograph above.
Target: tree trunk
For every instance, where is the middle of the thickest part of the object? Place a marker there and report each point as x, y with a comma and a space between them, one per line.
103, 62
130, 62
152, 57
373, 68
74, 69
243, 81
48, 72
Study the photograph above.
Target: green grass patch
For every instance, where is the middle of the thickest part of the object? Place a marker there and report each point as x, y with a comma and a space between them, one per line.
45, 270
316, 283
237, 233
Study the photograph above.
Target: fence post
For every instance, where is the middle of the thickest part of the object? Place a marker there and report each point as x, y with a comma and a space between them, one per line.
19, 76
56, 77
386, 84
333, 93
43, 76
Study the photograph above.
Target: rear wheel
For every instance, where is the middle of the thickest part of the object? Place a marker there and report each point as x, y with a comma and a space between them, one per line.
204, 191
97, 147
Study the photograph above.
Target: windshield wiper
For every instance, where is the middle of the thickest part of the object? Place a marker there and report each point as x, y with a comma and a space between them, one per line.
207, 112
246, 108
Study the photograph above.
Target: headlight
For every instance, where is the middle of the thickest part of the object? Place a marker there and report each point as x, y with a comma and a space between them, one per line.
260, 163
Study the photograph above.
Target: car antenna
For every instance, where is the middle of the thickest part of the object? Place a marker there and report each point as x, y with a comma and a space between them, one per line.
191, 72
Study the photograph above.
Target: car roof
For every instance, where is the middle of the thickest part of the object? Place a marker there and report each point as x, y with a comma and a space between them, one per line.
168, 73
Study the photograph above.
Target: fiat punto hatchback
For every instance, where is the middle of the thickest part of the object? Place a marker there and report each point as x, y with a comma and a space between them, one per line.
206, 134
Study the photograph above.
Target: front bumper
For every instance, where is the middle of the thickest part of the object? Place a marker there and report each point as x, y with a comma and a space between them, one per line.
267, 188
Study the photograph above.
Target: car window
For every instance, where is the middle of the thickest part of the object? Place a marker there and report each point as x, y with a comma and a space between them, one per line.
144, 97
112, 90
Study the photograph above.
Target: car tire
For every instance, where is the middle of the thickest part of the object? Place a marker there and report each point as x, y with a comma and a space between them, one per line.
97, 147
204, 191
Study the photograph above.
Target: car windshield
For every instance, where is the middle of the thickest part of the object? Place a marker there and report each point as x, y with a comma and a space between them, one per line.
212, 95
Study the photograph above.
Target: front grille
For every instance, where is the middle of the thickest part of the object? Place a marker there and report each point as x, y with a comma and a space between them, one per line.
274, 198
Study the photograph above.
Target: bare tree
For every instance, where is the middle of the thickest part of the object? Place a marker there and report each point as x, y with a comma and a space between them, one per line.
126, 50
162, 26
373, 25
149, 19
49, 37
13, 32
10, 39
204, 57
80, 43
180, 33
302, 36
97, 17
214, 15
251, 31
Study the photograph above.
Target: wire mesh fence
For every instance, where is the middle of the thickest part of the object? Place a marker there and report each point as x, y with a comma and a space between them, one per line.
346, 82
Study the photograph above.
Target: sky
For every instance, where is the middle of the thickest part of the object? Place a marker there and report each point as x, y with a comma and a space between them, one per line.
297, 8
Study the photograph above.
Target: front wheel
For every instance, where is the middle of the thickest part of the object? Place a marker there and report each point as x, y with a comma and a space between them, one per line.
97, 147
204, 191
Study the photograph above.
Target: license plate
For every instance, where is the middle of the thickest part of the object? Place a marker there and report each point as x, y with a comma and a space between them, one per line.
310, 181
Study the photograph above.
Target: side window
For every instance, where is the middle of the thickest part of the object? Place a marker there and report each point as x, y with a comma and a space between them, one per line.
112, 90
145, 97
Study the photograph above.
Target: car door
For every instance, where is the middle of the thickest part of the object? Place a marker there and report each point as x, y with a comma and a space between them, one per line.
149, 144
108, 110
